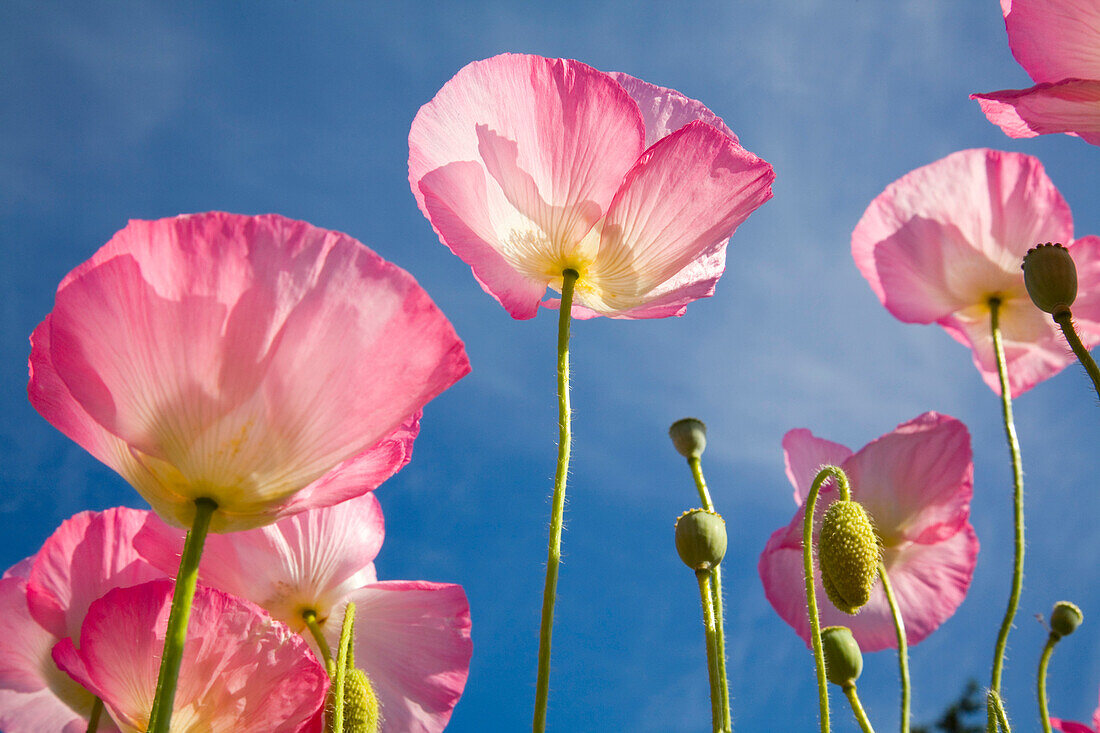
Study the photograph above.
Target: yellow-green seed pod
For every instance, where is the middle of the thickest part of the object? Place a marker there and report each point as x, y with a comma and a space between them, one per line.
843, 660
848, 554
1050, 277
361, 714
689, 436
1065, 618
701, 539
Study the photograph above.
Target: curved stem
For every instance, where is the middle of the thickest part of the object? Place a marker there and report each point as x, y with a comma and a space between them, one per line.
903, 646
808, 571
718, 600
1065, 320
857, 708
703, 576
180, 615
342, 657
553, 559
310, 617
93, 719
1018, 508
1044, 661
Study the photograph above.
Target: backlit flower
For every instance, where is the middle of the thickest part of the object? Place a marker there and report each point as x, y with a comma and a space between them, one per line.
942, 241
412, 638
45, 601
242, 671
915, 483
1056, 42
528, 166
241, 359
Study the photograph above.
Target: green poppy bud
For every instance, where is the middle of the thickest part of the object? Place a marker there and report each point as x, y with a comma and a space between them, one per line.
848, 554
361, 714
843, 660
689, 436
701, 539
1065, 618
1050, 277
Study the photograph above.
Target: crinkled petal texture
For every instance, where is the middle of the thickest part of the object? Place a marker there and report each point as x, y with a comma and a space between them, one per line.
943, 240
528, 166
241, 671
35, 695
309, 561
1058, 44
241, 359
412, 639
916, 483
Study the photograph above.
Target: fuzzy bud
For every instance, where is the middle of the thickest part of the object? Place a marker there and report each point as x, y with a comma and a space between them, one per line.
689, 436
1050, 277
848, 553
701, 539
843, 660
1065, 618
361, 713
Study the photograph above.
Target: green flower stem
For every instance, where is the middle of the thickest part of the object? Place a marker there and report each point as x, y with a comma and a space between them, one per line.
93, 719
310, 617
703, 576
996, 710
1018, 514
808, 571
857, 708
180, 615
1044, 661
717, 599
342, 663
903, 646
1065, 320
553, 559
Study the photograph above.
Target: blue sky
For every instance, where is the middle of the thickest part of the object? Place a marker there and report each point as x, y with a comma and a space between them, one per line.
147, 110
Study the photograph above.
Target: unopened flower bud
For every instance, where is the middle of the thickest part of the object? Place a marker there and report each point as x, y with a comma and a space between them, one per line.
361, 713
843, 660
689, 436
848, 553
701, 539
1050, 277
1065, 618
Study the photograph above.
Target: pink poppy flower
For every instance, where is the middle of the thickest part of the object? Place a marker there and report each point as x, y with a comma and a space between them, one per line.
1056, 42
528, 166
942, 240
915, 483
1069, 726
412, 637
242, 671
241, 359
46, 600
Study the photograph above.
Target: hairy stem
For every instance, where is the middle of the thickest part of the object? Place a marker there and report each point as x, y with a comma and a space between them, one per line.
1018, 514
903, 646
553, 559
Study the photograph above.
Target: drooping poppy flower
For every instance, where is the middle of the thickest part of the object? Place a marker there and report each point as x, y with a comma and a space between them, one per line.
241, 671
241, 359
1056, 42
943, 240
915, 483
528, 166
1069, 726
412, 638
46, 600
